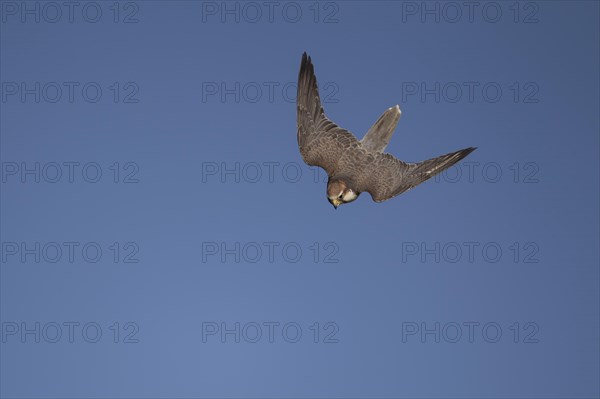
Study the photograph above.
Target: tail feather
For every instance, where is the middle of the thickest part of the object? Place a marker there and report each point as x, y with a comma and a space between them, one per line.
379, 135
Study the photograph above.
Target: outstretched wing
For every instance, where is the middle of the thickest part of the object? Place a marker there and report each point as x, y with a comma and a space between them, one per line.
390, 177
321, 142
379, 135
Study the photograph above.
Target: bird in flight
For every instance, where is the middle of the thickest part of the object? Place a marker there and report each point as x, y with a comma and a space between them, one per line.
355, 166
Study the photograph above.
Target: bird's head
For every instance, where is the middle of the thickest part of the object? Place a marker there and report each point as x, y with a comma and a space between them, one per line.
339, 192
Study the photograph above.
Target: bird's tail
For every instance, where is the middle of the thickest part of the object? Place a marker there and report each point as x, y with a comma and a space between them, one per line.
379, 135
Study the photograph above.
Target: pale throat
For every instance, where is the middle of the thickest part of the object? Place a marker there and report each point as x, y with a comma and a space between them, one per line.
349, 196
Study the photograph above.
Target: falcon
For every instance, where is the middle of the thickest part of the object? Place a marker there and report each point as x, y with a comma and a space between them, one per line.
355, 166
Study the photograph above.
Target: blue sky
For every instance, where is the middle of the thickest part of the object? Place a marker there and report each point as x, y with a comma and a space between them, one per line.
161, 236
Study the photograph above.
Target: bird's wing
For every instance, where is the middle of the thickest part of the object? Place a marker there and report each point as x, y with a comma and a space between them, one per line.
390, 177
321, 142
379, 135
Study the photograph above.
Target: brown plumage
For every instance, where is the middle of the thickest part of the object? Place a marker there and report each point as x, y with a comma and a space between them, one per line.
355, 166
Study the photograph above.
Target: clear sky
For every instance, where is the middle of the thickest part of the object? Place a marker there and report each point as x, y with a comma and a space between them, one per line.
161, 236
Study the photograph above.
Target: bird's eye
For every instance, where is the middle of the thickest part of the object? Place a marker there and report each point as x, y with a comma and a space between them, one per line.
340, 196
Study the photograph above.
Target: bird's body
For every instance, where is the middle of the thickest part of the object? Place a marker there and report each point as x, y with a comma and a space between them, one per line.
355, 166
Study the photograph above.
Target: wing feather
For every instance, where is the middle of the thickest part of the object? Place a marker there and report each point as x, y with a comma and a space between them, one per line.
322, 143
391, 177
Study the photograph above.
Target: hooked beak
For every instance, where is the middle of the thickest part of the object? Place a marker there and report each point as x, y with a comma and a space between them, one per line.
334, 202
